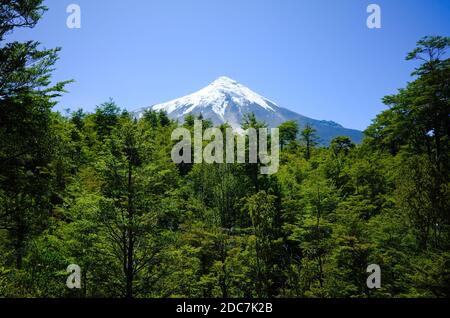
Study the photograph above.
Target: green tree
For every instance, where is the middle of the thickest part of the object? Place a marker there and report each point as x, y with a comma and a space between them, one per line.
106, 118
288, 132
26, 139
341, 145
262, 210
417, 126
309, 138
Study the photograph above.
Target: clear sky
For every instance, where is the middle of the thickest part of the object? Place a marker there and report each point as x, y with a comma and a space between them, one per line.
315, 57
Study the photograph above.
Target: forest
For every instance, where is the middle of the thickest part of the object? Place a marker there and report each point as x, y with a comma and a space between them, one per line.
100, 190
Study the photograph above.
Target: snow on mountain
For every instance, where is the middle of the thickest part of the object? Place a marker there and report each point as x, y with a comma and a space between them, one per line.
217, 96
226, 100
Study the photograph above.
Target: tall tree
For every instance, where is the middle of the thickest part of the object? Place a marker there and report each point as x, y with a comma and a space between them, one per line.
26, 138
309, 138
288, 132
417, 125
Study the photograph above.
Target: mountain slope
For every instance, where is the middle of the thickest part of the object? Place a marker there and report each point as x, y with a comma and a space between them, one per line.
225, 100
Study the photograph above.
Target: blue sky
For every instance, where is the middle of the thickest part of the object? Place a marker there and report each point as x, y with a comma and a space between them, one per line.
315, 57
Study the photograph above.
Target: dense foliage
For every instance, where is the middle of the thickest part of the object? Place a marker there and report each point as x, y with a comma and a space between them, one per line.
100, 190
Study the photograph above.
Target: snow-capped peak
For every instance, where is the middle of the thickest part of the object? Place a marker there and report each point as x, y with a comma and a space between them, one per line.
217, 96
224, 80
227, 101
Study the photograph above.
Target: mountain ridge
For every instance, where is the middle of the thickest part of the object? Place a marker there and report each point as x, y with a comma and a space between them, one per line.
226, 100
